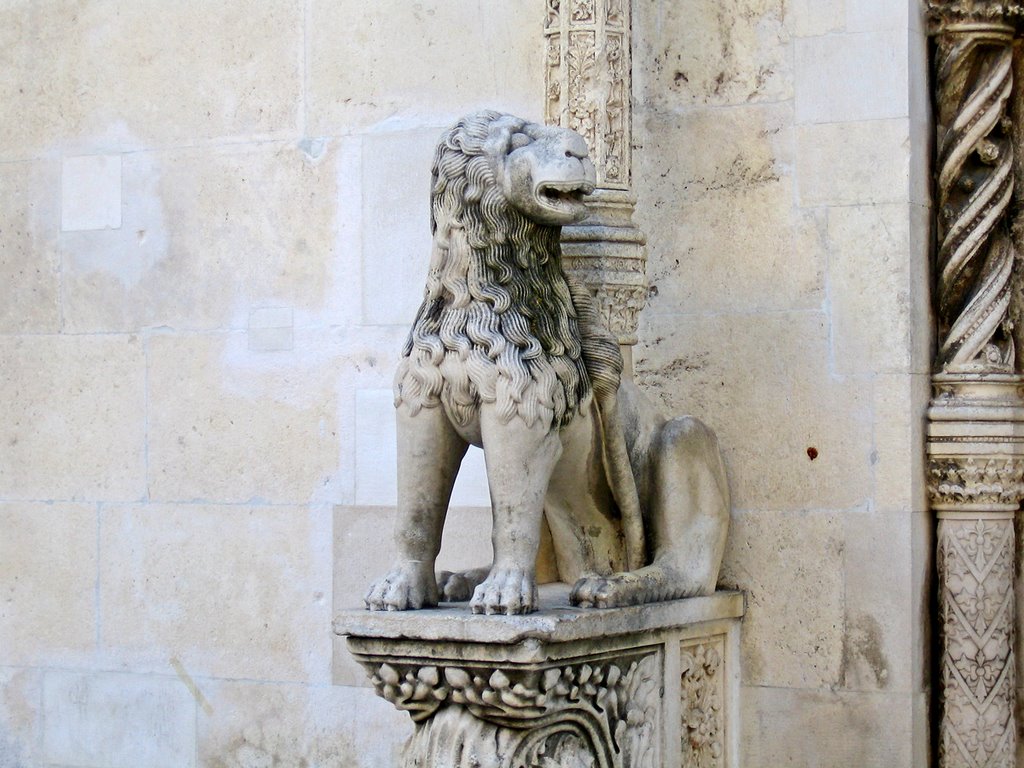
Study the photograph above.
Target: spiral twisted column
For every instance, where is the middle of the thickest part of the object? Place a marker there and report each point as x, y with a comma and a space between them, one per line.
976, 418
975, 186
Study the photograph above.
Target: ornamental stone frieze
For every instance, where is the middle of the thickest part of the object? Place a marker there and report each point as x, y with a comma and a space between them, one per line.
652, 686
976, 419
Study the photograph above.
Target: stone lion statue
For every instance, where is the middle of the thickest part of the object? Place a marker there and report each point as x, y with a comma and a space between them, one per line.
508, 353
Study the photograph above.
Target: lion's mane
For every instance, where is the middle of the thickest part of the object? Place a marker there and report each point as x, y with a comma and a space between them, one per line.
500, 321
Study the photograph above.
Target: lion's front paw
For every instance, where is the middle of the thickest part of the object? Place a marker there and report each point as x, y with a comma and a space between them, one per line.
410, 585
506, 590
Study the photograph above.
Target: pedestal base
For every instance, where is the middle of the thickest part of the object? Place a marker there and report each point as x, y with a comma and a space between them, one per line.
653, 686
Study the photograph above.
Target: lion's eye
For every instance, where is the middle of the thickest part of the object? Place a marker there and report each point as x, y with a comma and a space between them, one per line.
520, 140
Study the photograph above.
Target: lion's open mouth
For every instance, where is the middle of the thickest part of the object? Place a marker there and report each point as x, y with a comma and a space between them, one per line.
565, 193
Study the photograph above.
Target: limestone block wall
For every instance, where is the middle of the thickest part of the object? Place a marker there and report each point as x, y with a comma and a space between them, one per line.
213, 232
783, 185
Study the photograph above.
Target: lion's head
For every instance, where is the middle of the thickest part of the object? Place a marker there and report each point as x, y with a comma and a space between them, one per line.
500, 321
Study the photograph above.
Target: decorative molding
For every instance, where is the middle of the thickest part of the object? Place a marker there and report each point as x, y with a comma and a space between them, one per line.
703, 716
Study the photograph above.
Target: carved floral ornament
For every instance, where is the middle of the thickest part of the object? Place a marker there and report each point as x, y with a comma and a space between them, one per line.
702, 705
997, 481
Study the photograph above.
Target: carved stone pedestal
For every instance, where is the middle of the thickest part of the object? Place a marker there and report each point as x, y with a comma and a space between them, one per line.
652, 686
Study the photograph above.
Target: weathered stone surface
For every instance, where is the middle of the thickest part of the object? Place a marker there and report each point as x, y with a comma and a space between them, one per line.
254, 724
841, 78
433, 81
97, 720
820, 438
809, 18
730, 52
256, 222
794, 626
20, 724
875, 285
853, 163
29, 257
806, 729
72, 420
90, 192
706, 212
898, 461
229, 424
880, 606
260, 617
874, 15
395, 224
47, 582
103, 75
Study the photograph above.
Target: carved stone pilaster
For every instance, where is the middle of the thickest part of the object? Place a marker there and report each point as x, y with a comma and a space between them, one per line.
976, 420
651, 686
588, 87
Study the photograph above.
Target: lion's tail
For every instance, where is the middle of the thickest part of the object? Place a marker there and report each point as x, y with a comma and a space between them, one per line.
603, 360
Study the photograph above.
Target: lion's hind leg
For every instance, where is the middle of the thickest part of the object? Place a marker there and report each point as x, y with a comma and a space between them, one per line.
687, 521
429, 454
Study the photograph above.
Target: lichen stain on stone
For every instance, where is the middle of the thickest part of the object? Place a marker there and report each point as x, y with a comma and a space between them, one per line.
863, 663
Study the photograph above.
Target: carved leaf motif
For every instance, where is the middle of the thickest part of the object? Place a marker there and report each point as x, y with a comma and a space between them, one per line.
971, 480
620, 306
552, 21
581, 58
582, 10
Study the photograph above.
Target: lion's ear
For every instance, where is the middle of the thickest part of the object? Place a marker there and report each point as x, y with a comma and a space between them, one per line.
498, 141
499, 136
520, 140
